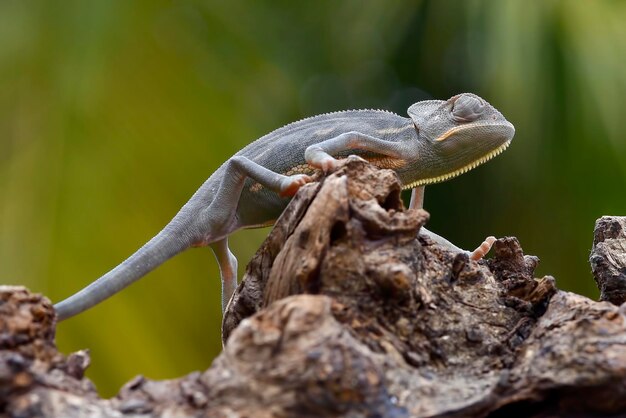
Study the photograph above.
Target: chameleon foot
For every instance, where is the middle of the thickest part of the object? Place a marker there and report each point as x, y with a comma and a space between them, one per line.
327, 164
482, 249
290, 185
319, 158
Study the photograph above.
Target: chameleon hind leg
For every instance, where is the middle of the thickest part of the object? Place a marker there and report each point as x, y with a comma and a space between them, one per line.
417, 202
223, 207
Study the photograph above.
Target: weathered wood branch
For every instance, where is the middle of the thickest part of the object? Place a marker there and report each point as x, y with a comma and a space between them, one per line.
344, 312
608, 258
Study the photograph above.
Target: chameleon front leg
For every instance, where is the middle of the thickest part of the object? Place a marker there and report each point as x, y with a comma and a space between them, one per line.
417, 198
321, 155
220, 213
417, 202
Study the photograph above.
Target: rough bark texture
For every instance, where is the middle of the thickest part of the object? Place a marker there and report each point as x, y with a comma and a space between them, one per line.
345, 313
608, 258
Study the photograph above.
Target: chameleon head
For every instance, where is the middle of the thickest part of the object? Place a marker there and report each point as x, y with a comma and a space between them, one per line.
457, 135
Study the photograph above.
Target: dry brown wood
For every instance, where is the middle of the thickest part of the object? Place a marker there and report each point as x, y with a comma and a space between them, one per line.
344, 312
608, 258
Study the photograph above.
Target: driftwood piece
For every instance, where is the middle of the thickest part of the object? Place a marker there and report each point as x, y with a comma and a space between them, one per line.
345, 313
608, 258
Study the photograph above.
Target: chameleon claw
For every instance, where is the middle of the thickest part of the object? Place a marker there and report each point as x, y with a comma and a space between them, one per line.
292, 184
483, 248
331, 164
318, 158
328, 164
354, 157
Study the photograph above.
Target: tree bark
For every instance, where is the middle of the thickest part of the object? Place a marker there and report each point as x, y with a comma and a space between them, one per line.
608, 258
346, 312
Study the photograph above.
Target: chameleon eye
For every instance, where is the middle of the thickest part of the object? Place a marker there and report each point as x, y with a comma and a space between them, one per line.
467, 108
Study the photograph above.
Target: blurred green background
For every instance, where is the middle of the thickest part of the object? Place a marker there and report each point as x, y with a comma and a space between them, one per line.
112, 113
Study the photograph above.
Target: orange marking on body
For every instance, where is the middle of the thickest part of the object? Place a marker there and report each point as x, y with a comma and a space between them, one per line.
256, 187
387, 162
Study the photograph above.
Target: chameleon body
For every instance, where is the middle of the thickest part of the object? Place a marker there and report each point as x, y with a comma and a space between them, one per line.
439, 140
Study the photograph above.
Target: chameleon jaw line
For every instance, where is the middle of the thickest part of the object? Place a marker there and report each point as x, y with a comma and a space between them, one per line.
465, 169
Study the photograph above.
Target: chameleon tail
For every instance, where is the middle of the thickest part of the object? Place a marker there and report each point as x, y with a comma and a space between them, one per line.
166, 244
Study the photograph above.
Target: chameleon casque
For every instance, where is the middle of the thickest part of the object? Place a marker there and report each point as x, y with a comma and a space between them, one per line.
440, 140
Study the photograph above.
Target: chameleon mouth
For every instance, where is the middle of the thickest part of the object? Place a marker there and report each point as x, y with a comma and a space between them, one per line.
458, 172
